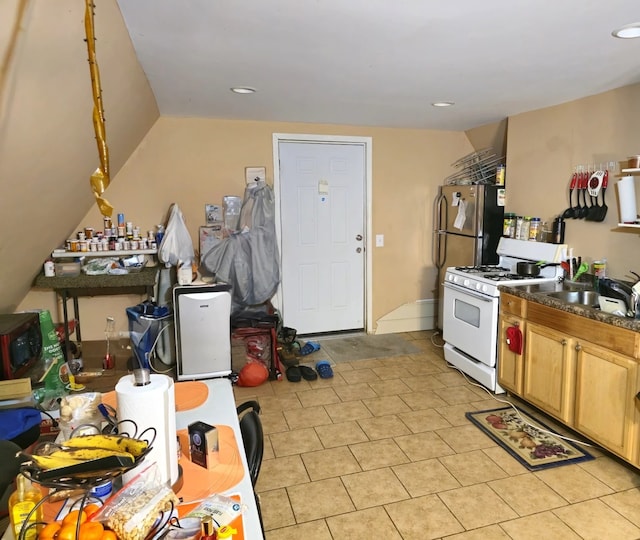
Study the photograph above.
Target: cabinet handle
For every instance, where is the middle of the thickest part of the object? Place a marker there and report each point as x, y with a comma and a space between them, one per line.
578, 347
563, 342
638, 395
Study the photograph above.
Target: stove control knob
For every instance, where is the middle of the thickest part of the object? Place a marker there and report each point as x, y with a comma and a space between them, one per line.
485, 288
466, 282
478, 286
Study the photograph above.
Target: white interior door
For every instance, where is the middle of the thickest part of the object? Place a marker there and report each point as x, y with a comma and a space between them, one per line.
322, 220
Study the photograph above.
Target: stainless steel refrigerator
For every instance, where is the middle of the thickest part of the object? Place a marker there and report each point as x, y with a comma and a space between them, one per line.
467, 227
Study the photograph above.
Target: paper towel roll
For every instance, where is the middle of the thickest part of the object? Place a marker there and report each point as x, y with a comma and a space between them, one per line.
152, 405
627, 199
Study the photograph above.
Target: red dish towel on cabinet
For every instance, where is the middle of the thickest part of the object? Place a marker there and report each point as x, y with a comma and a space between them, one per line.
514, 339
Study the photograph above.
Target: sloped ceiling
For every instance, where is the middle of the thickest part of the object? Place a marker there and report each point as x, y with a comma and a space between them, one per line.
380, 62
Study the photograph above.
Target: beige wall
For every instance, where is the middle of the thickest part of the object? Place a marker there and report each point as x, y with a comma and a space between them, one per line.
543, 148
196, 161
47, 146
490, 136
47, 153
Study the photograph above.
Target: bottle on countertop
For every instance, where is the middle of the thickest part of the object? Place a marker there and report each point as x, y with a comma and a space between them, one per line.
558, 230
208, 531
21, 503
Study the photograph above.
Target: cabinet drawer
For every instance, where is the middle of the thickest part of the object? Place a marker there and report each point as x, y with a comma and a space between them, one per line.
513, 305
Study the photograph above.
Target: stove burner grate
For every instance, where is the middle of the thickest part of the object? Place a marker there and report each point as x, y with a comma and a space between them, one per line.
481, 269
509, 277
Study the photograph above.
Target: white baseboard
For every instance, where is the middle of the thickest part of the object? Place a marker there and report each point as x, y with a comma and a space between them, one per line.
412, 317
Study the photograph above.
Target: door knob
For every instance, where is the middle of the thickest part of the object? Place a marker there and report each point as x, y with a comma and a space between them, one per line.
358, 250
358, 237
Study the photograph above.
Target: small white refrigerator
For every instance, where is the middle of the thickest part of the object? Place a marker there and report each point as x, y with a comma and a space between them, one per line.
202, 325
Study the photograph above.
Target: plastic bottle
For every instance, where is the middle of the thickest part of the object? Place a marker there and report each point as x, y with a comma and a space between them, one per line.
21, 502
225, 532
159, 234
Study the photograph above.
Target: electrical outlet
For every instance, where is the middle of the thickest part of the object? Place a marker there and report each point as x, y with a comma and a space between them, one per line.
379, 240
255, 174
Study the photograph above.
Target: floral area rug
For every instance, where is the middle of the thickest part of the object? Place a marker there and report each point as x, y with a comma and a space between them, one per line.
528, 443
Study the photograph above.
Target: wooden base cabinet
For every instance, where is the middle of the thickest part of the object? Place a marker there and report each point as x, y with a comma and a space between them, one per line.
510, 364
583, 372
606, 408
549, 371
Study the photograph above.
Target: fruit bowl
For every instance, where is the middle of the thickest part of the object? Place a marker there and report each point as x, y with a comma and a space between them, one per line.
86, 460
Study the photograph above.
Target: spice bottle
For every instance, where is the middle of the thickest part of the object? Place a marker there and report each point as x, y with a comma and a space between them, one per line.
22, 503
535, 229
208, 532
509, 225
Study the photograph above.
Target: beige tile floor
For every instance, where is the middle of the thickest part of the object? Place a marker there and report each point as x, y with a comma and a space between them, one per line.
383, 450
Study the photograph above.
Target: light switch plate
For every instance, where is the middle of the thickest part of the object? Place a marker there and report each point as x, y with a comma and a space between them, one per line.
379, 240
255, 174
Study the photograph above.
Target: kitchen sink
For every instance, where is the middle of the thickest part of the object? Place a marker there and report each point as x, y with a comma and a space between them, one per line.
585, 298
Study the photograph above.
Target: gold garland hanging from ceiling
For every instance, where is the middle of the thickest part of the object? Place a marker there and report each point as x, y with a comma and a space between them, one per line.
100, 178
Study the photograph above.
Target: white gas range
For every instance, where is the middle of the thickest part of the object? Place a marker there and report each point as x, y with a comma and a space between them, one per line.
471, 301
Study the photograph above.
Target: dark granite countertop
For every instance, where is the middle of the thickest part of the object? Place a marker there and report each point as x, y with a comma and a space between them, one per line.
539, 293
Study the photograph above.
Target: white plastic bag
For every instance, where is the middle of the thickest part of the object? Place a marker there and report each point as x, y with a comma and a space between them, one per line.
176, 248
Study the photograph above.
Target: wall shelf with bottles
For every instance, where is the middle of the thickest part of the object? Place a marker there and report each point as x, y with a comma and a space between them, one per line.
64, 254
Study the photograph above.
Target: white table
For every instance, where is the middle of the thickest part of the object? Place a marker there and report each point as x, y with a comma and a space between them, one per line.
220, 408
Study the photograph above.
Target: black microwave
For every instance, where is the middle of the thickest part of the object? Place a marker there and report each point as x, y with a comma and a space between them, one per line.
20, 343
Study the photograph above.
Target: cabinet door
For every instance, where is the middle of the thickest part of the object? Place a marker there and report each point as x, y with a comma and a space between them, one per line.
549, 371
606, 387
510, 364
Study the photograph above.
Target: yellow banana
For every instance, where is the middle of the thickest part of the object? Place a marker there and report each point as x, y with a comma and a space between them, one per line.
51, 462
116, 443
86, 454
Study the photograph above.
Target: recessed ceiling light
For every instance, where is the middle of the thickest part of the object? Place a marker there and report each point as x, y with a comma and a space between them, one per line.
627, 32
443, 104
243, 90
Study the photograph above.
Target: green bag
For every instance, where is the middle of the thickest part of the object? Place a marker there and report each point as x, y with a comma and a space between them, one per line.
54, 363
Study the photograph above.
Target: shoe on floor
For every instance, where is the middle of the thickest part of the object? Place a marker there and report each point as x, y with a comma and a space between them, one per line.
323, 367
293, 374
309, 347
308, 374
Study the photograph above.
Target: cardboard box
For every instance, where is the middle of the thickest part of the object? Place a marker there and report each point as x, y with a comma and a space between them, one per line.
15, 389
203, 444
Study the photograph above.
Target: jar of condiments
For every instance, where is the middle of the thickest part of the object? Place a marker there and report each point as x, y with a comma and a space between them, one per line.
535, 229
522, 227
509, 225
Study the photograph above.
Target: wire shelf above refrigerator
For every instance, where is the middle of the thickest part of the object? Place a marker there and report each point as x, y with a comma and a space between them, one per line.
475, 168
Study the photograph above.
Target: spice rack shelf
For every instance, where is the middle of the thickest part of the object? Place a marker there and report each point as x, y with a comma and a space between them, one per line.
59, 254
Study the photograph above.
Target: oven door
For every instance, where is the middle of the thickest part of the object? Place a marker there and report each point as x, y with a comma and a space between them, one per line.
471, 322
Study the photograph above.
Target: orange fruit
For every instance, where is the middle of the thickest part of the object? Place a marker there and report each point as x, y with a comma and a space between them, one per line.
49, 531
67, 532
108, 535
91, 530
91, 509
72, 517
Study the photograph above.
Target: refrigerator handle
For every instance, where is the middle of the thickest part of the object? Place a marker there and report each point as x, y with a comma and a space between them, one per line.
437, 249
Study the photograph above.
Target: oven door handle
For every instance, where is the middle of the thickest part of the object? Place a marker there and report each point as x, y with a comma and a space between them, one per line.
469, 292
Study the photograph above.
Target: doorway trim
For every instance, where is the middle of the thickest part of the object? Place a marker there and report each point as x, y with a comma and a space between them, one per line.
368, 149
